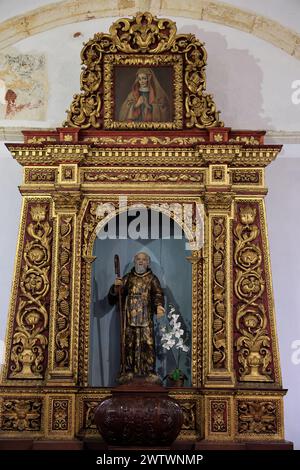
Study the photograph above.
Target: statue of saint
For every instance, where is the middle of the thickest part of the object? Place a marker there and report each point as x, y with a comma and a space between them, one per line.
141, 297
147, 100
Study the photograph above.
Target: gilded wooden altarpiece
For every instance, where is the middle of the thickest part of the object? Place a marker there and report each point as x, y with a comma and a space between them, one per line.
190, 158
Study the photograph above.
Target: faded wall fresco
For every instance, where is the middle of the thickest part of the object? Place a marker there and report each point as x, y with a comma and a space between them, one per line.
23, 86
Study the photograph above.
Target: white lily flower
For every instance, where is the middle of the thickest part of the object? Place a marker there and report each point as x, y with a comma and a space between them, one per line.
172, 336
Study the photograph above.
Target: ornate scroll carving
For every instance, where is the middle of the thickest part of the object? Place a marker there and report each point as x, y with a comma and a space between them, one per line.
64, 293
30, 336
250, 140
246, 177
143, 177
257, 417
21, 415
60, 410
40, 175
151, 140
218, 410
253, 342
219, 292
142, 35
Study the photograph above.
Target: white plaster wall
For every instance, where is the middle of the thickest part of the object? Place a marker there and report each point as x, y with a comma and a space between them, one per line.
11, 8
251, 81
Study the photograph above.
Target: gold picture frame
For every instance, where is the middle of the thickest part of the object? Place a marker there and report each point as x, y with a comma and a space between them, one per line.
128, 106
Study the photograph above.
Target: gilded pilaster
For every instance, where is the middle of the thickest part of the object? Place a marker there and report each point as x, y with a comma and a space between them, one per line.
255, 345
28, 330
67, 199
218, 201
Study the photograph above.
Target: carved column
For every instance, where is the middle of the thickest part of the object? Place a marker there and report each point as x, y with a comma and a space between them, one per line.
218, 204
66, 200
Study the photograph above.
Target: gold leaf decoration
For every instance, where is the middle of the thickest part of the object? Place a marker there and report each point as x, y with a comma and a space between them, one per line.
253, 342
142, 35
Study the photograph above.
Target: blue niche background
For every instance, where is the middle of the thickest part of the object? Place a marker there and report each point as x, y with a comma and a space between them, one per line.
170, 264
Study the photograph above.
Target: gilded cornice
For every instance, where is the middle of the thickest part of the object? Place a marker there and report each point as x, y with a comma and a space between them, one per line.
87, 155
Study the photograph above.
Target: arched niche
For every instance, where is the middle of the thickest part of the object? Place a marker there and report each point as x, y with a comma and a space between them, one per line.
170, 255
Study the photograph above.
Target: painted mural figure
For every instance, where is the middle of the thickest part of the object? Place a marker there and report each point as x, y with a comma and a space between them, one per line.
147, 100
142, 297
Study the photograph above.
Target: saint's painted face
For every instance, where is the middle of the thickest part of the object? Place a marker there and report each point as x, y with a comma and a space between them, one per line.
143, 80
141, 263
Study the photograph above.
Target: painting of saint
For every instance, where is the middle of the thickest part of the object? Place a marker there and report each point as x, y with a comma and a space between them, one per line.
146, 100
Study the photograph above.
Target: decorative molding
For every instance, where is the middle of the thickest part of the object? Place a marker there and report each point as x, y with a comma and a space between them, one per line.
62, 348
145, 140
219, 287
44, 175
147, 176
87, 155
14, 134
249, 177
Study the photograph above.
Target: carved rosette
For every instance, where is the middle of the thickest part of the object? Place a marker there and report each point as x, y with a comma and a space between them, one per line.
30, 331
143, 35
219, 335
64, 292
21, 415
252, 324
257, 417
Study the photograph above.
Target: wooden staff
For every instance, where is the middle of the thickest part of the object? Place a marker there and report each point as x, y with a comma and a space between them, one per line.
122, 315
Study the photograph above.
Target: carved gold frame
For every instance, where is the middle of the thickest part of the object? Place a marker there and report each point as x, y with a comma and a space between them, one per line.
143, 39
139, 60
